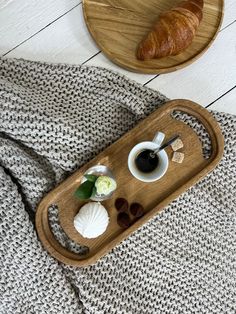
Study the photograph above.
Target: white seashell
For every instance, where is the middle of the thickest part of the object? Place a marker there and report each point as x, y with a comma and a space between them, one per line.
92, 220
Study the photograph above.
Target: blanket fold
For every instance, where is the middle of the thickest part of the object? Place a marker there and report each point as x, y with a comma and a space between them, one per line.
53, 119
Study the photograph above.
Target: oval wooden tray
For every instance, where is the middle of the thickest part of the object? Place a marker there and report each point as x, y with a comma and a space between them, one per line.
118, 26
153, 196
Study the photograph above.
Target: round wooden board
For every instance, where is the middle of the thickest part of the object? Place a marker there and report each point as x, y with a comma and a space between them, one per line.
119, 25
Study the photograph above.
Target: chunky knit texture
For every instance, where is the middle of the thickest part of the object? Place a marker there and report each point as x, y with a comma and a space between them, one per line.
53, 119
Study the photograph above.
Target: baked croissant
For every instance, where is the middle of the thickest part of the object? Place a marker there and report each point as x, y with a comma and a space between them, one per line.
173, 32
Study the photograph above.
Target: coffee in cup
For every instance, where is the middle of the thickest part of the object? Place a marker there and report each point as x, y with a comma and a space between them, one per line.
144, 165
146, 161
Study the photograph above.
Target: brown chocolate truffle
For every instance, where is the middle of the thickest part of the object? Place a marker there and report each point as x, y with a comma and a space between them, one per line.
121, 204
123, 220
136, 210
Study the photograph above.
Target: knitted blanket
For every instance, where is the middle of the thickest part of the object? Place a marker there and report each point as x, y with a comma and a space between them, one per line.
53, 119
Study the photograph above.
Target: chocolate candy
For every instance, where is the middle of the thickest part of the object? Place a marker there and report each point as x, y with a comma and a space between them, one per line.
123, 220
121, 204
136, 210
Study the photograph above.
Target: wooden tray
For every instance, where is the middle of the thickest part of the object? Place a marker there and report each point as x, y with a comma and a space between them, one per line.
118, 26
153, 196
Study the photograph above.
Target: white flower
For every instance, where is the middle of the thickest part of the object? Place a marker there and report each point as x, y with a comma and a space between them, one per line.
105, 185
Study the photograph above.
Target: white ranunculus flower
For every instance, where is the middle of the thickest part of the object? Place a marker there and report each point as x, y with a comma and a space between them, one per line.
105, 185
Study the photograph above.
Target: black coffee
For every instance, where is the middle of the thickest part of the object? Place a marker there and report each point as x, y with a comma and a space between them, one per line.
146, 161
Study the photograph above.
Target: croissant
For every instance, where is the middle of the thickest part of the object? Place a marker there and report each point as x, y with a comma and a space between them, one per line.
173, 32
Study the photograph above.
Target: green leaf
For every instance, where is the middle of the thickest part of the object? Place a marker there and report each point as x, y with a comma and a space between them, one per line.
94, 191
91, 177
85, 190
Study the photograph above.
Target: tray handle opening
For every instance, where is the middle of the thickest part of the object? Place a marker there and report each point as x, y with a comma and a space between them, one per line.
198, 128
203, 123
61, 236
55, 241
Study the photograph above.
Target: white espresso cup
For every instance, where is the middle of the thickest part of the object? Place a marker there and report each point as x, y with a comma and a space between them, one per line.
163, 161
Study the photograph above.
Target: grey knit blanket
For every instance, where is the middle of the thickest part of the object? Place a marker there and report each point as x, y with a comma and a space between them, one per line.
53, 119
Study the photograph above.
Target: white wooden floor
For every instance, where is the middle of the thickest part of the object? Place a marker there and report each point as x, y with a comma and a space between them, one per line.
54, 31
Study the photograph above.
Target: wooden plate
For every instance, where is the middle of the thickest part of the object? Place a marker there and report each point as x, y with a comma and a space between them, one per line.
153, 196
118, 26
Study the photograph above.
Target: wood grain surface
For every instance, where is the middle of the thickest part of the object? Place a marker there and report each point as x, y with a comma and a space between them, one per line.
153, 196
118, 26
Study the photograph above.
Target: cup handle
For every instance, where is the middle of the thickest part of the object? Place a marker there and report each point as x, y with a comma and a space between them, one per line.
159, 138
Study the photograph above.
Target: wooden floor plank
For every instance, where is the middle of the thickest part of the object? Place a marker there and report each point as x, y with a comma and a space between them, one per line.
67, 40
230, 13
21, 19
227, 103
102, 61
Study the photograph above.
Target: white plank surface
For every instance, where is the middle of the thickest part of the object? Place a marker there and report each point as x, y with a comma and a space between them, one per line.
55, 31
230, 13
227, 103
66, 40
209, 77
20, 19
101, 61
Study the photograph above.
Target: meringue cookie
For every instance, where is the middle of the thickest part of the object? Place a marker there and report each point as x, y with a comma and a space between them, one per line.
92, 220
